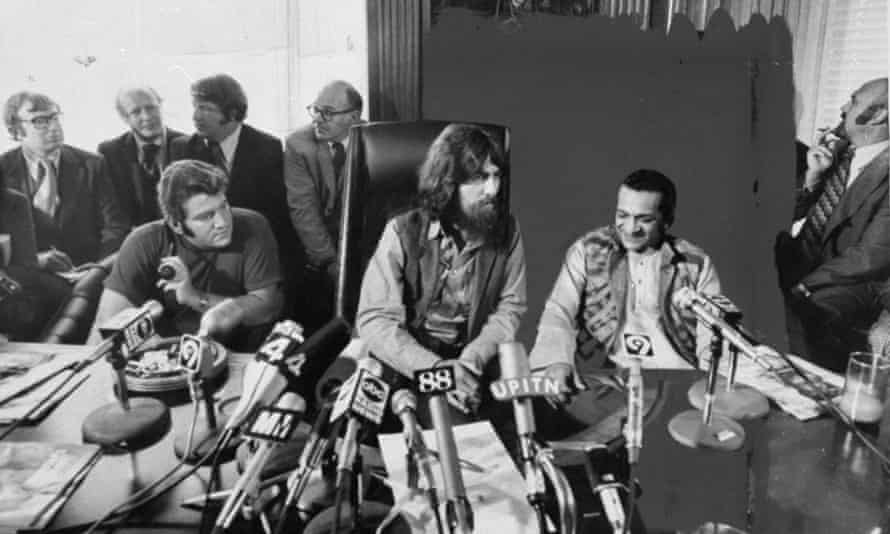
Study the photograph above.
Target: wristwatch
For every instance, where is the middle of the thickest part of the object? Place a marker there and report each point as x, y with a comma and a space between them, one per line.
802, 290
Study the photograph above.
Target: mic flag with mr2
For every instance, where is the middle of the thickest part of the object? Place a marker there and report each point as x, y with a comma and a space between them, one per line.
128, 425
271, 427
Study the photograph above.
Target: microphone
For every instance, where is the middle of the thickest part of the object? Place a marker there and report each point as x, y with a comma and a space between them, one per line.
271, 427
265, 376
703, 308
633, 429
404, 406
437, 381
364, 397
129, 328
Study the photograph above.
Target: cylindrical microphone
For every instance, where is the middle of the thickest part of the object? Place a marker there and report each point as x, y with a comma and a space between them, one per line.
458, 507
633, 430
166, 272
514, 364
270, 428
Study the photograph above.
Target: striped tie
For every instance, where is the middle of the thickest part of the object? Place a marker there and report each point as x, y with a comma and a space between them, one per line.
817, 218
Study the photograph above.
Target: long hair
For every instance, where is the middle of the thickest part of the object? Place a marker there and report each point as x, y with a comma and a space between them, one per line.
456, 155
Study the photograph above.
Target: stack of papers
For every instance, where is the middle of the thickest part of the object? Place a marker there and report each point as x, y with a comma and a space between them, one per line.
20, 371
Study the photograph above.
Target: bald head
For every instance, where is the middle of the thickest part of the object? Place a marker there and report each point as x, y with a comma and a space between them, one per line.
140, 107
865, 115
337, 107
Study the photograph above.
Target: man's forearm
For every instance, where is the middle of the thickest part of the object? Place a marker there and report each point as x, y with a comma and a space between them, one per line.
252, 309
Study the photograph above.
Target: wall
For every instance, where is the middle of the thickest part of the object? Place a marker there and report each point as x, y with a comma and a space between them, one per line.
589, 100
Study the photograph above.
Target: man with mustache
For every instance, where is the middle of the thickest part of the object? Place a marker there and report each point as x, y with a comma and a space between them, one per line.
619, 285
226, 278
446, 283
136, 158
836, 258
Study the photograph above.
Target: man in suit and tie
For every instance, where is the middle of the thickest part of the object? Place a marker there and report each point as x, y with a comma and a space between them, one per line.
76, 214
136, 158
314, 157
834, 265
252, 159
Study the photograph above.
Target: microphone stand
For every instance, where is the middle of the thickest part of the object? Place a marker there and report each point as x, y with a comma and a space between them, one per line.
736, 401
458, 513
695, 428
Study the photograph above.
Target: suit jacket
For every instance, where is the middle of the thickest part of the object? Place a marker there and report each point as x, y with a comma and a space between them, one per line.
88, 224
17, 221
255, 182
856, 242
313, 193
126, 175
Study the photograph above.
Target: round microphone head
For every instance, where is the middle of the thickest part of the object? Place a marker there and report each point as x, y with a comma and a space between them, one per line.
513, 360
166, 272
403, 399
291, 401
154, 308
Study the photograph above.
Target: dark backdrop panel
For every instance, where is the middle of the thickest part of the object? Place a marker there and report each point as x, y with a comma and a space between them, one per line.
590, 100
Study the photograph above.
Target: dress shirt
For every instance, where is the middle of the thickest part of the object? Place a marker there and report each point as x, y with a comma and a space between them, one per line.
382, 298
161, 143
33, 167
229, 145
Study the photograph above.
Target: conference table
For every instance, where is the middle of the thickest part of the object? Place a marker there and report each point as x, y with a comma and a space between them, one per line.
790, 476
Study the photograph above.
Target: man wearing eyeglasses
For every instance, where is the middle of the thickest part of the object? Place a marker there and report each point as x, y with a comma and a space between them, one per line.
314, 157
252, 159
76, 214
136, 158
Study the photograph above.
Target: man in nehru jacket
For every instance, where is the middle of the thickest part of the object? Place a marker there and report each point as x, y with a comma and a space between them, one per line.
314, 161
226, 276
621, 281
446, 283
136, 158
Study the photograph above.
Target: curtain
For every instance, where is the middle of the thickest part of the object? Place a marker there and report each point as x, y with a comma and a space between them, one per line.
395, 29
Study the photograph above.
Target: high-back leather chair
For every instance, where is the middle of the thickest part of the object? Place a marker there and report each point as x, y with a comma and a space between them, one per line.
381, 181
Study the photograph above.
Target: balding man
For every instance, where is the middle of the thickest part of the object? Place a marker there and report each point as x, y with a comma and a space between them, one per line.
314, 158
836, 258
136, 158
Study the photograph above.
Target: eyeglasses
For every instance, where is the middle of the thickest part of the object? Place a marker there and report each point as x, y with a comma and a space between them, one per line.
43, 122
325, 114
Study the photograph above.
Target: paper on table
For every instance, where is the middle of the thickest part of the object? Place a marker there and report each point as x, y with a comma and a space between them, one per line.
497, 495
790, 398
20, 406
35, 477
20, 369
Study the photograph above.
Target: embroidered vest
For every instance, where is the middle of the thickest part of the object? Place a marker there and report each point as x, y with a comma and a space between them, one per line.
602, 314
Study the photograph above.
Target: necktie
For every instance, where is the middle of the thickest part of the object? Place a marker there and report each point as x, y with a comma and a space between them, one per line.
814, 228
339, 157
46, 197
217, 156
149, 159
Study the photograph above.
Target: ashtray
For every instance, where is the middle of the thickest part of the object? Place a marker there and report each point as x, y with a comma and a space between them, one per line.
157, 369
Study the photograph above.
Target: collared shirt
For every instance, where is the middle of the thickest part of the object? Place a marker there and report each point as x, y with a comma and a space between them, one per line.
161, 143
344, 142
449, 311
229, 145
34, 162
558, 328
862, 156
381, 317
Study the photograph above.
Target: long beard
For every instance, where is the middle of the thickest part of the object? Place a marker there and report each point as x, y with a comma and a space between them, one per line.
481, 220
